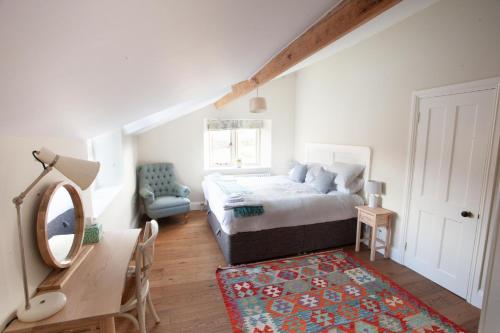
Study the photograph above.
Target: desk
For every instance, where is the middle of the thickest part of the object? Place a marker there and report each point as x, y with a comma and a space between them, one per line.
94, 290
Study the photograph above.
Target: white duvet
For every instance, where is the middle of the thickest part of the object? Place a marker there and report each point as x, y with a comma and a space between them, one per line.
286, 204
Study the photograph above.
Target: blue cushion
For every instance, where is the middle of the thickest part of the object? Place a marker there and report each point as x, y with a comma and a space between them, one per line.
161, 213
323, 181
298, 173
168, 202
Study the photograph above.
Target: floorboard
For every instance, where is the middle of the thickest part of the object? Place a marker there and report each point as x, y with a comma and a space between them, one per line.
187, 298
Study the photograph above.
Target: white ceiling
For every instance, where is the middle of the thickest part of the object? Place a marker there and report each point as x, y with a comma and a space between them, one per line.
80, 68
381, 22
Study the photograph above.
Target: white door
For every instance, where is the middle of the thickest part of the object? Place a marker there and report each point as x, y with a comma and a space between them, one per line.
449, 170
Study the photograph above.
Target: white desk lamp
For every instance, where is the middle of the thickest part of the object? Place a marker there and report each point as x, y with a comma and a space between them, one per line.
374, 190
82, 173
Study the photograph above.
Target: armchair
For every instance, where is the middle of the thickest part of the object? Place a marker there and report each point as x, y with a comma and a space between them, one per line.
161, 193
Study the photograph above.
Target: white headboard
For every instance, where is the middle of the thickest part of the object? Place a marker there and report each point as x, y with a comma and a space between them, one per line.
328, 153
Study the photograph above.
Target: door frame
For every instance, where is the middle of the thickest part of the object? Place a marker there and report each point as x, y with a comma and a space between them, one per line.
482, 244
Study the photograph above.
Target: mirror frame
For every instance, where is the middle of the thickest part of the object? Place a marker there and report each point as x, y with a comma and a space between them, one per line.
41, 223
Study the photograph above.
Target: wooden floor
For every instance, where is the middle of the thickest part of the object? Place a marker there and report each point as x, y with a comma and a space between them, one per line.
187, 297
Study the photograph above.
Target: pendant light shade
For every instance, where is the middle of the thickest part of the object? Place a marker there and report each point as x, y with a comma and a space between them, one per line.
81, 172
258, 105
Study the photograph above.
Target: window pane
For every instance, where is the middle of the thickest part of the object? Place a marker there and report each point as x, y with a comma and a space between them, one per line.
248, 145
220, 142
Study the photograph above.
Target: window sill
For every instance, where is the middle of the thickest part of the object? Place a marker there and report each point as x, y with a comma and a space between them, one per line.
238, 171
102, 198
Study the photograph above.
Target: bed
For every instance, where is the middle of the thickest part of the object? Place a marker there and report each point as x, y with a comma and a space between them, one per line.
296, 219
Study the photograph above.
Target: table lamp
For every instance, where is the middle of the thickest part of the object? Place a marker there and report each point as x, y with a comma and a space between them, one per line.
374, 190
82, 173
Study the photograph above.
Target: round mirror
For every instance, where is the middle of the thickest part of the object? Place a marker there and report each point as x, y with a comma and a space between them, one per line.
60, 225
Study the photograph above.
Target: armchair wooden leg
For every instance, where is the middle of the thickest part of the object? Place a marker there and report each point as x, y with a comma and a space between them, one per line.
186, 218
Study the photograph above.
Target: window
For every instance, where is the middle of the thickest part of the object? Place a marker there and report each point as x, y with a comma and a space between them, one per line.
221, 150
248, 146
235, 143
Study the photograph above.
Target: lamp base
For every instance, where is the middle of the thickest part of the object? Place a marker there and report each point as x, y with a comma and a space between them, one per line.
42, 306
373, 201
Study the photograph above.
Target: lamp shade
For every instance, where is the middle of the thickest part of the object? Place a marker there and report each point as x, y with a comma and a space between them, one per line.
258, 105
373, 187
81, 172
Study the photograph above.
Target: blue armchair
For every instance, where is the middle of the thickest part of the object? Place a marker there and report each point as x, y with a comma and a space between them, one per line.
162, 195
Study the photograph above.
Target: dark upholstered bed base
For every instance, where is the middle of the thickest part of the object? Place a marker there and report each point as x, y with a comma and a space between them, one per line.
253, 246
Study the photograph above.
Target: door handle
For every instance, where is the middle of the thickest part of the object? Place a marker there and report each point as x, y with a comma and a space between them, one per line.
466, 214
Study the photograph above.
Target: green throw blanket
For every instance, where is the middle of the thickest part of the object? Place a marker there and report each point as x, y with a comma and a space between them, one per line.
246, 211
233, 187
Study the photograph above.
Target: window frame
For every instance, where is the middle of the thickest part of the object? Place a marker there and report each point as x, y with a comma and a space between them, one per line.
257, 146
234, 151
211, 163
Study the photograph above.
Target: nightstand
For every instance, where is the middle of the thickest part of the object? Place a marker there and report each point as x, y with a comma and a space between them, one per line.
375, 218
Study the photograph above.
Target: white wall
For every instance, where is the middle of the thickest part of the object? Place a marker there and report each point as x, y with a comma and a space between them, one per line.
108, 150
361, 96
181, 141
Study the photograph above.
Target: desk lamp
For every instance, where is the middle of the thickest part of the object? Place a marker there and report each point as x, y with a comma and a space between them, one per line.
82, 173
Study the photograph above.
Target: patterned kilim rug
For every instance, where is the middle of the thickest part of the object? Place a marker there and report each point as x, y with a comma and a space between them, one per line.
325, 292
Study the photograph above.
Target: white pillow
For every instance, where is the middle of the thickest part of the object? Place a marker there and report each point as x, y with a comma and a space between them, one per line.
312, 172
346, 172
354, 187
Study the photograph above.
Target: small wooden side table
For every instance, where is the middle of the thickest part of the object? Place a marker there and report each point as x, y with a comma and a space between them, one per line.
375, 218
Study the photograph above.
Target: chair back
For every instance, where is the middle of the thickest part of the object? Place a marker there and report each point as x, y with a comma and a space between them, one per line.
159, 177
144, 257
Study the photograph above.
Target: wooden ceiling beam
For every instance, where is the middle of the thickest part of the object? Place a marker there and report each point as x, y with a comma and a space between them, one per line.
342, 19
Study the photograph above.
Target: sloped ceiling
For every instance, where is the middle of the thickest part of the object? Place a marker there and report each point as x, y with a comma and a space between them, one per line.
83, 67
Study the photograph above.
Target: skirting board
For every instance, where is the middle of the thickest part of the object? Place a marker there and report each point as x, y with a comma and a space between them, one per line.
197, 205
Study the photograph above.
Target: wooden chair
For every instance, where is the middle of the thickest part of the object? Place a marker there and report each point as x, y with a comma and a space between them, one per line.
140, 274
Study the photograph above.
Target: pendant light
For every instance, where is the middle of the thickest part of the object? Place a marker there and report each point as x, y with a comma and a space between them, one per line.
258, 104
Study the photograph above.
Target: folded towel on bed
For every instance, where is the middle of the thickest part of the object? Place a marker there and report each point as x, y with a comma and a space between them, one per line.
247, 202
235, 197
242, 201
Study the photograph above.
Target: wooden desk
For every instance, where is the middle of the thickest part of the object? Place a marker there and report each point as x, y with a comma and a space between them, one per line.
94, 290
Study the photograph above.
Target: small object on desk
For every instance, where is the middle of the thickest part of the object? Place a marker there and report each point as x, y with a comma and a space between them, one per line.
375, 218
93, 233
